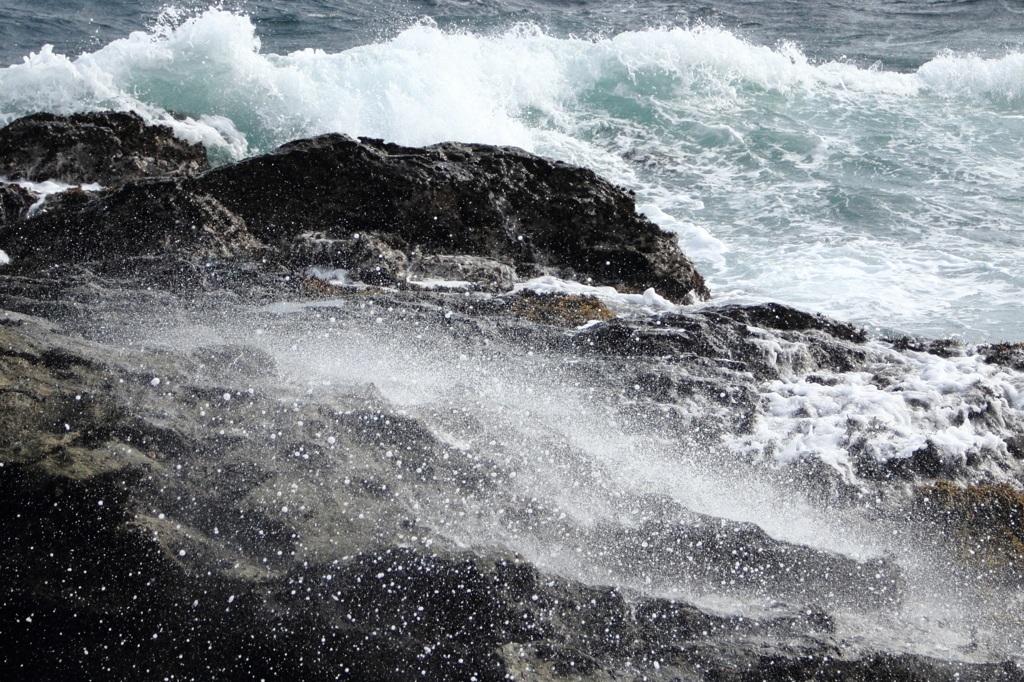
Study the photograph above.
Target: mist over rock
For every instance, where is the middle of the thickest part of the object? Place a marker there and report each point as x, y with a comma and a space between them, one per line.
241, 437
260, 522
105, 147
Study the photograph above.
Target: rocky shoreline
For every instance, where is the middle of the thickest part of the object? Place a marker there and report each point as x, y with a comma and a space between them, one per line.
196, 486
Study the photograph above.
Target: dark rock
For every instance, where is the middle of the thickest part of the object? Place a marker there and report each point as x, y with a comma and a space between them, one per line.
501, 204
724, 334
105, 147
362, 571
14, 203
785, 318
985, 523
729, 558
1007, 354
482, 272
1015, 446
557, 309
227, 361
486, 213
364, 257
944, 348
144, 218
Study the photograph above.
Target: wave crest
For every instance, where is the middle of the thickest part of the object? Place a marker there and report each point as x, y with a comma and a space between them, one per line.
426, 85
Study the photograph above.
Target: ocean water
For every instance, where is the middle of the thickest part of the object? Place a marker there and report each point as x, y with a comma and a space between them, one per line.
864, 161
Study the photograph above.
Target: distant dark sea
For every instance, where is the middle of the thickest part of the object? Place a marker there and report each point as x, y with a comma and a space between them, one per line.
865, 160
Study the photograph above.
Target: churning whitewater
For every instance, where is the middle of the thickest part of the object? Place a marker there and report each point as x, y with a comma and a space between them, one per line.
886, 198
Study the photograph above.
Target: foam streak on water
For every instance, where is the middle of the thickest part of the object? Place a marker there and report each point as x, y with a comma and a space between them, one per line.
890, 199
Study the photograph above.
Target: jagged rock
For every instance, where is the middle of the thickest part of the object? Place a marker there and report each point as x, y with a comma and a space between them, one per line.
1008, 354
985, 524
364, 257
106, 147
497, 203
785, 318
481, 272
145, 530
144, 218
14, 203
569, 311
729, 335
487, 213
229, 360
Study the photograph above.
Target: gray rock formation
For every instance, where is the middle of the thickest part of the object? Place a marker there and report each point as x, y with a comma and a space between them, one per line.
484, 272
214, 467
196, 512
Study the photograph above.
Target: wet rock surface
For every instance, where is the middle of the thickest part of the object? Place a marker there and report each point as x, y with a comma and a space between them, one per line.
14, 203
200, 513
106, 147
214, 467
497, 203
155, 216
337, 202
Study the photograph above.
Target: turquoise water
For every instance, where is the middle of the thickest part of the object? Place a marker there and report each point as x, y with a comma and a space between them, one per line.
863, 162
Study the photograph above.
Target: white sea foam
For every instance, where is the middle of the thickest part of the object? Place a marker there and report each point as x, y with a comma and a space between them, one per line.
695, 241
900, 404
952, 73
334, 276
432, 283
649, 302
